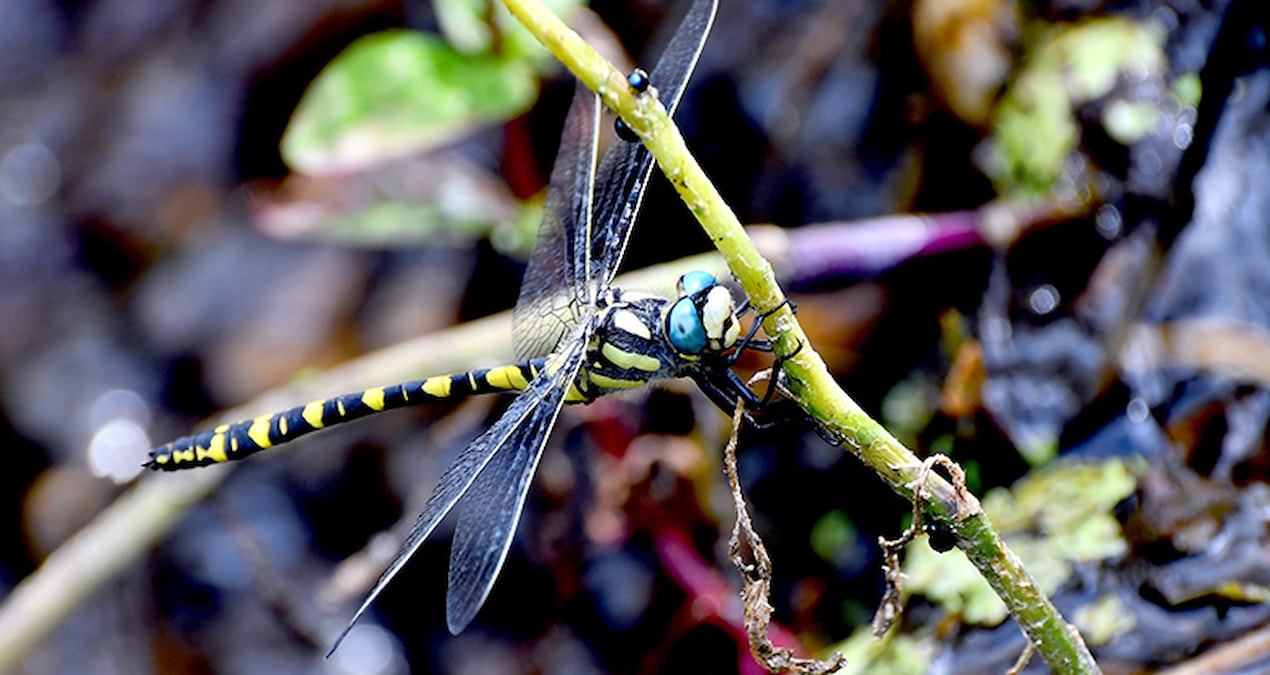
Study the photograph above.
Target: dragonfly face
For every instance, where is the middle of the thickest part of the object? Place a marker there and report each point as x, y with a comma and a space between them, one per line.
703, 319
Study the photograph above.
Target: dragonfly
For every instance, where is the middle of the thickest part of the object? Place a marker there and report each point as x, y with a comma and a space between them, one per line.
577, 337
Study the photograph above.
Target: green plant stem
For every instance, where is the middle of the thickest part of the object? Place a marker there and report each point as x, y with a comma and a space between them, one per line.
1058, 643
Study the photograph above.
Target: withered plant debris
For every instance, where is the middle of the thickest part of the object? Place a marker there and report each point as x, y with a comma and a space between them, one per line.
756, 571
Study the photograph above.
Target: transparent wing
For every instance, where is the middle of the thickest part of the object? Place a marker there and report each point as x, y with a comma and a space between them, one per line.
589, 211
527, 421
548, 304
624, 171
487, 519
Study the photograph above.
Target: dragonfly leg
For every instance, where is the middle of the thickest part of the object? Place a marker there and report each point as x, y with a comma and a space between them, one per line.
774, 381
749, 341
726, 389
639, 81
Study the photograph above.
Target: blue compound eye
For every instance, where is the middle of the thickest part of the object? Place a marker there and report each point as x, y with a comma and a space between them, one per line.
684, 329
693, 283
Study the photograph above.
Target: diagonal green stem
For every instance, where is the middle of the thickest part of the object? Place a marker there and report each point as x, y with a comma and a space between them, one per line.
1057, 642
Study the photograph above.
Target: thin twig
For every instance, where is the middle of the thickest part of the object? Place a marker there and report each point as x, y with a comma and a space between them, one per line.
1021, 662
757, 573
891, 607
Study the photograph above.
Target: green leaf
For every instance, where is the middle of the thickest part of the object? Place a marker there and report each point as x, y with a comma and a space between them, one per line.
832, 536
400, 92
1053, 519
897, 655
1035, 128
465, 23
438, 198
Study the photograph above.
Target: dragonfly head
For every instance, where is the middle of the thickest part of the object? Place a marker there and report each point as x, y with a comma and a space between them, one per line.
703, 318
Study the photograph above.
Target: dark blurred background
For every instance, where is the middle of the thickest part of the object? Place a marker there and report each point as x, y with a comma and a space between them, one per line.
1091, 283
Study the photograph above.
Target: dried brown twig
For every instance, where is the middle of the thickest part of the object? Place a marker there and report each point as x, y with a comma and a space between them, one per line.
966, 505
757, 573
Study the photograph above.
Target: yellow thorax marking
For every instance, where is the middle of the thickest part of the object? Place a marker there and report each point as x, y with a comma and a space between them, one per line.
628, 360
606, 382
626, 320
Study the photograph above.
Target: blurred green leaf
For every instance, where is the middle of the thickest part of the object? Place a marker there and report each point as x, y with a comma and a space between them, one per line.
1053, 519
1102, 620
832, 536
1188, 88
897, 655
1092, 55
910, 405
439, 198
1035, 128
465, 24
1129, 122
485, 26
397, 93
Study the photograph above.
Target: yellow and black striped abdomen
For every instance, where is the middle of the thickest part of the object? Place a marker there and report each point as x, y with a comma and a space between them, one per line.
228, 442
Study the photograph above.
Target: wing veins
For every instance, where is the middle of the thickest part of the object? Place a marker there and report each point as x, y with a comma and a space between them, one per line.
488, 515
548, 389
626, 167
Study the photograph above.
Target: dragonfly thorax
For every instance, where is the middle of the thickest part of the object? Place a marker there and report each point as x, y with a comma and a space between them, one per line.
638, 338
